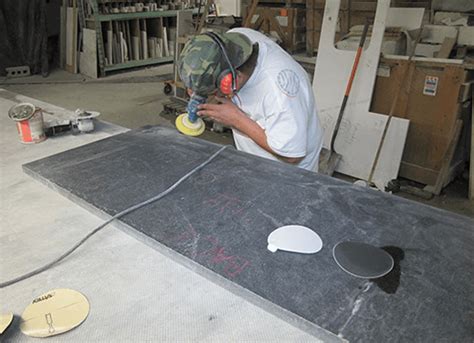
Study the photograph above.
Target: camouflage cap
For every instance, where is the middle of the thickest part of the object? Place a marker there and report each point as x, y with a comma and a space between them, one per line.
201, 61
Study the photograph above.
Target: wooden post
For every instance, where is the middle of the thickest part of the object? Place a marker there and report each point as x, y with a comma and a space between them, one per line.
471, 161
250, 13
448, 157
290, 31
310, 27
202, 21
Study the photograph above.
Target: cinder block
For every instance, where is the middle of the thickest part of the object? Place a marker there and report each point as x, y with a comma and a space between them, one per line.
18, 71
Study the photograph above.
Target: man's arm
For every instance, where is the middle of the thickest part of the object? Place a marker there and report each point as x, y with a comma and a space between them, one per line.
229, 114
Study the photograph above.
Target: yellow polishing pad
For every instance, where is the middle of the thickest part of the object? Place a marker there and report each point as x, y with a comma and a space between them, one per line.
55, 312
5, 321
188, 128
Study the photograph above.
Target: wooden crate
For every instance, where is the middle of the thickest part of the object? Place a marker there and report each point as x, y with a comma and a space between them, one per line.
435, 102
288, 23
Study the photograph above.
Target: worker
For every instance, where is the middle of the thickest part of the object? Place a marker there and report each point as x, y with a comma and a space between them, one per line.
263, 94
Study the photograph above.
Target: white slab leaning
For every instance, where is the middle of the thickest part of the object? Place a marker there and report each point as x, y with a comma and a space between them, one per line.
437, 33
360, 130
466, 36
406, 18
88, 57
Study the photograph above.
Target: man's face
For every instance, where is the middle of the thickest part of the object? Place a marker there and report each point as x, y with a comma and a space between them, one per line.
241, 80
191, 92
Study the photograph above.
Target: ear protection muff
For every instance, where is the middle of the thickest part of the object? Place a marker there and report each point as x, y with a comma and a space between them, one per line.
227, 79
226, 83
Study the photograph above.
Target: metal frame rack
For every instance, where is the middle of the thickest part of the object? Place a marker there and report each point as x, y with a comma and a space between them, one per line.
96, 19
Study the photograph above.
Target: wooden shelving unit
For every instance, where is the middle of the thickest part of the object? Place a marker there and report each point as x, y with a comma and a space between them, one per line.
123, 38
136, 15
138, 63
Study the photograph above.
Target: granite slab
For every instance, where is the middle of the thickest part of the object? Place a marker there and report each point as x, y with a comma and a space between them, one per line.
217, 223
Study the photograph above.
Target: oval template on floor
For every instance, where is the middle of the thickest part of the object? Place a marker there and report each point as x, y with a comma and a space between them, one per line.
5, 321
54, 312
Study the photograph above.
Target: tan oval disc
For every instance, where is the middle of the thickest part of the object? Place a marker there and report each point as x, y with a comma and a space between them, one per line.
55, 312
5, 321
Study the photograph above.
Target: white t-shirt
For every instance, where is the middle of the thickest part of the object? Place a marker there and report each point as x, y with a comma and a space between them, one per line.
279, 97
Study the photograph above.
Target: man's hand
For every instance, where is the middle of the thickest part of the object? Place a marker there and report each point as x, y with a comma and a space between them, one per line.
226, 112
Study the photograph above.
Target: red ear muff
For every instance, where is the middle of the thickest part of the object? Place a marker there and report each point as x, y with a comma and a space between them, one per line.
227, 80
226, 83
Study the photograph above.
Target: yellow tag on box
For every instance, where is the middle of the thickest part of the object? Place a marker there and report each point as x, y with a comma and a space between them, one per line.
54, 312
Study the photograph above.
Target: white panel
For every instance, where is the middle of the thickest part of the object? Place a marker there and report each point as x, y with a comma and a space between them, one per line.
360, 130
229, 7
406, 18
466, 35
437, 33
88, 58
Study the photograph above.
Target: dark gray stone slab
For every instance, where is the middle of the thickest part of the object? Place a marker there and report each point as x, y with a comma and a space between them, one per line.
218, 222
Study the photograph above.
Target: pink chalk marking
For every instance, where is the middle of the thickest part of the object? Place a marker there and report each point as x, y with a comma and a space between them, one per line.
233, 265
223, 202
217, 255
237, 269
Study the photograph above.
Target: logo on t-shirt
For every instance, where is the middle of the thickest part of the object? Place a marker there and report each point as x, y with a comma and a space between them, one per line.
288, 82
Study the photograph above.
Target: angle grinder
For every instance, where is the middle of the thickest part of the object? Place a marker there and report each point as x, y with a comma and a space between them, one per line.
189, 123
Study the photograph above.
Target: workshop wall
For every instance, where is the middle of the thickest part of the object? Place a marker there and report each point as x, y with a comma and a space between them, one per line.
23, 38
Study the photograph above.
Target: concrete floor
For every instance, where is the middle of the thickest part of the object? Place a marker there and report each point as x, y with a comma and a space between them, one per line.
135, 99
126, 103
129, 100
135, 293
